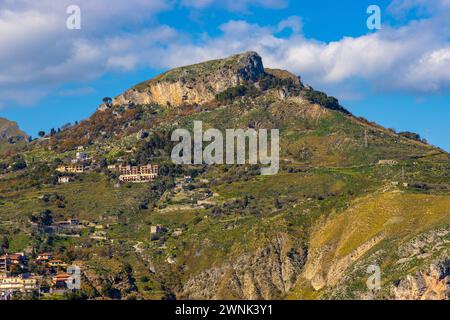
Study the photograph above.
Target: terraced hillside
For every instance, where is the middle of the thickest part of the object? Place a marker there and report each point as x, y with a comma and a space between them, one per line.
349, 194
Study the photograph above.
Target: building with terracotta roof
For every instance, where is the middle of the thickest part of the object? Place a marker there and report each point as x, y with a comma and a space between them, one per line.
60, 280
44, 257
56, 264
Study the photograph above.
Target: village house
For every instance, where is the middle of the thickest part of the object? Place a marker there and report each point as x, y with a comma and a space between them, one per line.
44, 257
80, 157
56, 264
157, 229
62, 227
72, 168
60, 281
7, 261
63, 179
22, 283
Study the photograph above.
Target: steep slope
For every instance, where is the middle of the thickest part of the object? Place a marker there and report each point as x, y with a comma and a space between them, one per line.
309, 231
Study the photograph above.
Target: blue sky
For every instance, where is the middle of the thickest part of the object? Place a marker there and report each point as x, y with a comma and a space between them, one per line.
398, 76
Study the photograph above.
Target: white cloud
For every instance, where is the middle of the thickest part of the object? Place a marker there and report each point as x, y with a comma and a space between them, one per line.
42, 54
294, 23
401, 7
235, 5
39, 53
411, 58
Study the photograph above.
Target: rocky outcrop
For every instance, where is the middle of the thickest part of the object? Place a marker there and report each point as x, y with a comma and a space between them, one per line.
269, 273
9, 131
196, 84
430, 284
113, 285
330, 274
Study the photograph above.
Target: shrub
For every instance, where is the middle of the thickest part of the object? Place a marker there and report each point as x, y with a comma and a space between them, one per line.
322, 99
239, 91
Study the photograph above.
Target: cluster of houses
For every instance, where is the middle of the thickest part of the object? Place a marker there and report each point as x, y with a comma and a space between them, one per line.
78, 165
134, 174
15, 278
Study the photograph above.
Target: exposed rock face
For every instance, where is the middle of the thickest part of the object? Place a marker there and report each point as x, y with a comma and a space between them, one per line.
10, 130
269, 273
431, 284
110, 285
329, 275
197, 83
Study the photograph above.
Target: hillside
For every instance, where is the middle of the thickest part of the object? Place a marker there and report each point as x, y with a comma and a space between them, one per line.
349, 194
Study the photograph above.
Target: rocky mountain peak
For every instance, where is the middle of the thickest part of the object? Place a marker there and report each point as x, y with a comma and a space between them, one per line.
198, 83
10, 130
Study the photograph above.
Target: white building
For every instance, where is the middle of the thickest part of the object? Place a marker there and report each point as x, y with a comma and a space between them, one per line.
81, 156
63, 179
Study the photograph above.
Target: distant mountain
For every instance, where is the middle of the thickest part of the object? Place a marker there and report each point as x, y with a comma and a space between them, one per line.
9, 131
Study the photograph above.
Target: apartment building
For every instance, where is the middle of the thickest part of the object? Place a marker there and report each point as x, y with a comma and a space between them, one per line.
21, 283
72, 168
136, 174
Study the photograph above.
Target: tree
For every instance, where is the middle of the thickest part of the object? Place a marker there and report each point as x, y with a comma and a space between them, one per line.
107, 101
19, 164
52, 132
278, 205
5, 243
45, 218
103, 163
41, 134
245, 201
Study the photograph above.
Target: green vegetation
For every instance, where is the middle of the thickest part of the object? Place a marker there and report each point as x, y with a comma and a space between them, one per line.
331, 199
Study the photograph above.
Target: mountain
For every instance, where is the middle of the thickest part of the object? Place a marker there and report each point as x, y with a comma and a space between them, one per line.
350, 196
10, 130
11, 137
